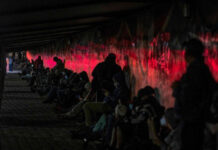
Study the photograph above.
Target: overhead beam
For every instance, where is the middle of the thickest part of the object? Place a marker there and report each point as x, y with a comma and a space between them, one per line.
25, 6
33, 17
31, 42
44, 31
43, 26
11, 40
49, 38
26, 47
35, 44
38, 36
54, 24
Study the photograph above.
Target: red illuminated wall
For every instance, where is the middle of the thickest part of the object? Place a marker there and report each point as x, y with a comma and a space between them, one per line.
150, 67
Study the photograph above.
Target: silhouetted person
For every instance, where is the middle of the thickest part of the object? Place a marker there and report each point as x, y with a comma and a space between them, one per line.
129, 78
59, 67
191, 94
38, 63
104, 71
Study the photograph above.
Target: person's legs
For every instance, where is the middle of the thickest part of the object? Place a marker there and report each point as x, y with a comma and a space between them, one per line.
32, 80
119, 138
76, 109
60, 95
10, 67
113, 137
52, 95
91, 108
109, 128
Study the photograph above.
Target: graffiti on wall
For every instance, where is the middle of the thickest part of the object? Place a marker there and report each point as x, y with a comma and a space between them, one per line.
157, 67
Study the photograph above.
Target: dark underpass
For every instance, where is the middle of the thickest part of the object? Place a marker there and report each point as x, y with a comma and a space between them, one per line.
27, 124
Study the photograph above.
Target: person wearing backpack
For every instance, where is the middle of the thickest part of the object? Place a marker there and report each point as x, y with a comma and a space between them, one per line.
192, 96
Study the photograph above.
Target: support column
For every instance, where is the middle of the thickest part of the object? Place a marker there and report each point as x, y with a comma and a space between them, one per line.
2, 72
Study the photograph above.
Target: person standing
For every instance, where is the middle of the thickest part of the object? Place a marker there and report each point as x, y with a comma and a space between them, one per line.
104, 71
10, 64
38, 64
192, 94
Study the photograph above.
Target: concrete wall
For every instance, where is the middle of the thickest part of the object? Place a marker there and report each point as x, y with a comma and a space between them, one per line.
2, 72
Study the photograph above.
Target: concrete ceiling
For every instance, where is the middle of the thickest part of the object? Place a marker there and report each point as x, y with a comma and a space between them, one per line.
30, 23
34, 22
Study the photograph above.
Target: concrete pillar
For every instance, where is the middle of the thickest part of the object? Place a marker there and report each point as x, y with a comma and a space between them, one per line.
216, 141
2, 72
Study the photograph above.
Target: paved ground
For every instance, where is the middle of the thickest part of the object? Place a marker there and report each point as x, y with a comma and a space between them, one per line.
27, 124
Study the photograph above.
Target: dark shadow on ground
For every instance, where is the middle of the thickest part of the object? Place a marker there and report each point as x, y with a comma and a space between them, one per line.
6, 92
15, 98
14, 121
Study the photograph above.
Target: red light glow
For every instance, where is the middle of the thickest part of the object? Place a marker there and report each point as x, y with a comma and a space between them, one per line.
158, 69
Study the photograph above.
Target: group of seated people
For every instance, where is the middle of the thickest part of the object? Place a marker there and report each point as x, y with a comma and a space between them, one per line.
61, 86
109, 110
26, 68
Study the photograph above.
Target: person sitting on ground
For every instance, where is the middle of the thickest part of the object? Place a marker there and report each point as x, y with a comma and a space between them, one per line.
53, 93
113, 92
121, 92
59, 67
55, 74
104, 71
82, 80
110, 102
92, 108
84, 86
37, 69
77, 91
26, 69
67, 95
78, 108
145, 116
121, 122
